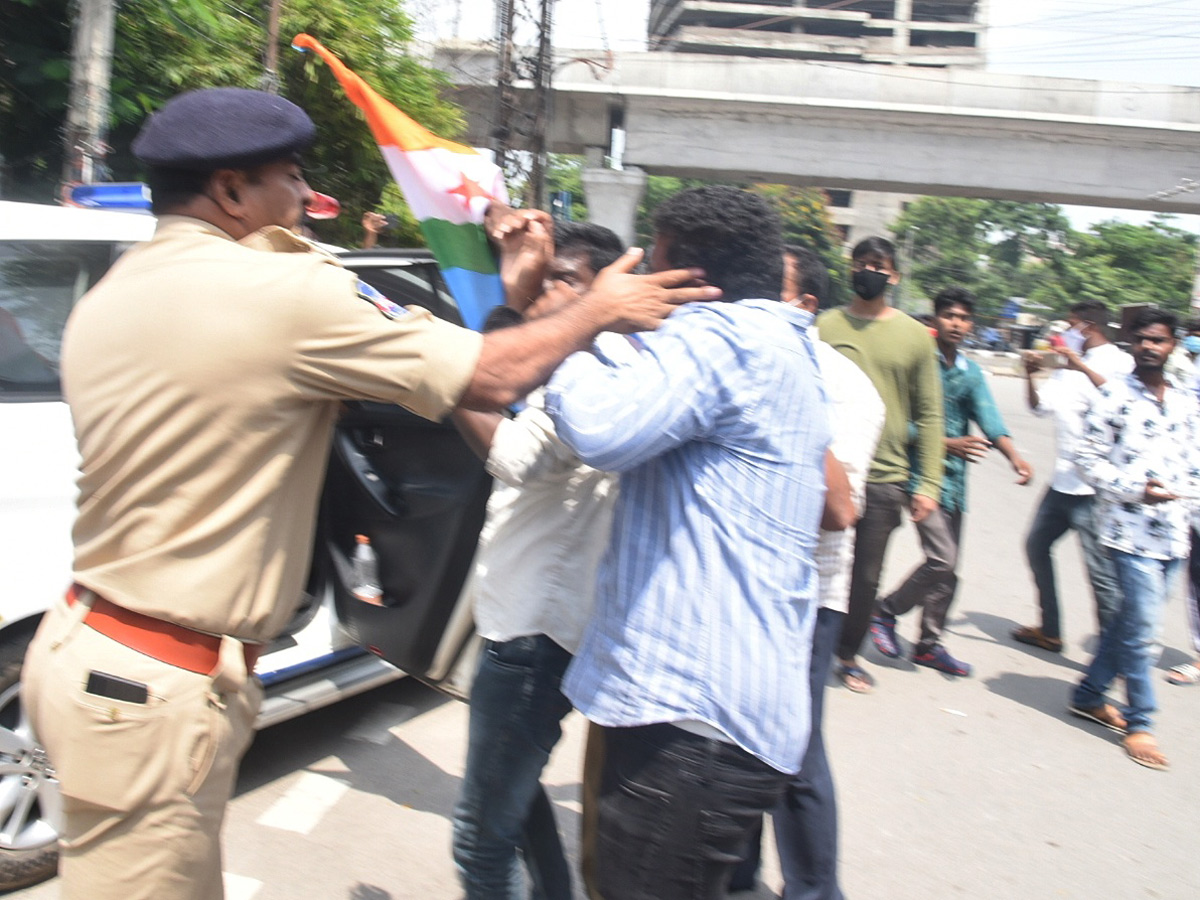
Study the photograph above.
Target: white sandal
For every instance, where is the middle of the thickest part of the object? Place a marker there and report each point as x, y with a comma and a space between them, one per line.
1184, 674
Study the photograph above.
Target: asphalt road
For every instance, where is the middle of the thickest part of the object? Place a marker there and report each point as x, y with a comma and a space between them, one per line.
980, 788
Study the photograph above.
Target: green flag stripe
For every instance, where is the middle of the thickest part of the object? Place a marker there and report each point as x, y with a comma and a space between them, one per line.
461, 246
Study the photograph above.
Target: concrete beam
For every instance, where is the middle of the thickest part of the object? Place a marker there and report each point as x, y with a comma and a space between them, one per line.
960, 132
612, 199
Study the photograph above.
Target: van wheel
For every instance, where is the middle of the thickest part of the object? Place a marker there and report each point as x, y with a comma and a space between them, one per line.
30, 804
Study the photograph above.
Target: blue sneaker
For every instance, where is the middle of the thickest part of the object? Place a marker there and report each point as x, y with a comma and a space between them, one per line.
938, 657
883, 634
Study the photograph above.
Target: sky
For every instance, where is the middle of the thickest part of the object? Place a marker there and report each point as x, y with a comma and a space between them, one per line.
1152, 41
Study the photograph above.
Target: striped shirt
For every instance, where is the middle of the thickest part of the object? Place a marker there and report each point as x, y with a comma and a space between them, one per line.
706, 596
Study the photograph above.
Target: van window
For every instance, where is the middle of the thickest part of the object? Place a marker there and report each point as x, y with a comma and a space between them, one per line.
40, 282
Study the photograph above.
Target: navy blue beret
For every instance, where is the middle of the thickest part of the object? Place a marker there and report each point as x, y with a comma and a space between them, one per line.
219, 128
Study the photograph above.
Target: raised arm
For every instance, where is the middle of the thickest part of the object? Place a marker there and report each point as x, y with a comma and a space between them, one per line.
615, 417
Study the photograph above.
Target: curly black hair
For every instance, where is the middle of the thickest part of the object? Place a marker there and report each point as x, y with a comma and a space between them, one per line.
600, 245
733, 235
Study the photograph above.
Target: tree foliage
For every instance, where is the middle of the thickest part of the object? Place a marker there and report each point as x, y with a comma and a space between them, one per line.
164, 47
35, 74
806, 221
1003, 249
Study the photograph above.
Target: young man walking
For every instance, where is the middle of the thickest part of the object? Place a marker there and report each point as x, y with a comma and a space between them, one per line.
967, 399
1068, 503
897, 353
1140, 450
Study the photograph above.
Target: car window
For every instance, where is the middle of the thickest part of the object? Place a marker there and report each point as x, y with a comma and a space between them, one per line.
40, 281
412, 285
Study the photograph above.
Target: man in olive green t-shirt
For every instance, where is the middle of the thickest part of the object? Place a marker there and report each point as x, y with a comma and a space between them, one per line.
898, 354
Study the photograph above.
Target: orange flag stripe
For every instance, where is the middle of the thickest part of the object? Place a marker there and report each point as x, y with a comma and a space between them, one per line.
388, 124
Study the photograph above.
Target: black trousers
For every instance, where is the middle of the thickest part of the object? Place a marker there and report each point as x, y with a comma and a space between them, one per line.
675, 811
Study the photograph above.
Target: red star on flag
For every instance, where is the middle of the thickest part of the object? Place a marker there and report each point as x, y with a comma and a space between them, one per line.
469, 190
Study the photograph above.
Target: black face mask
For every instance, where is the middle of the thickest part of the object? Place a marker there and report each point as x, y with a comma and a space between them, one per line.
868, 284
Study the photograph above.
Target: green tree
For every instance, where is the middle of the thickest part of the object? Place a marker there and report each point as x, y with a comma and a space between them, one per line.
164, 47
35, 48
1122, 264
1002, 249
565, 173
996, 249
804, 212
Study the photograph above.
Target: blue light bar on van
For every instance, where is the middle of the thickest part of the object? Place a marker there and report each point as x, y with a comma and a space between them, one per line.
112, 195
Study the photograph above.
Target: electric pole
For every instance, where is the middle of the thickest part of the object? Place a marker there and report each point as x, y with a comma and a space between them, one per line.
543, 73
86, 130
519, 121
505, 104
271, 61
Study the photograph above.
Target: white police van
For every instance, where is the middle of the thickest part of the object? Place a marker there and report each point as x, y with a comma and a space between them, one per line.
411, 486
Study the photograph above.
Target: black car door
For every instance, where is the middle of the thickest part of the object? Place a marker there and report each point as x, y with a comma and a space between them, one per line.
417, 493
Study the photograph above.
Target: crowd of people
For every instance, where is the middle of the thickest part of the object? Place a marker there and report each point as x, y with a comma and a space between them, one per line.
697, 474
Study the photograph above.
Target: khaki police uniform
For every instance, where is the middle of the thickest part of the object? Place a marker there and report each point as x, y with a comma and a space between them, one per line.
204, 377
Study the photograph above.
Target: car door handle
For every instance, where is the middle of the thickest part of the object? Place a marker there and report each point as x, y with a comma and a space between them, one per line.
365, 474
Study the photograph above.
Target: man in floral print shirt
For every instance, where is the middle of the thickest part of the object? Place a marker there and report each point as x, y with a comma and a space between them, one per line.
1140, 451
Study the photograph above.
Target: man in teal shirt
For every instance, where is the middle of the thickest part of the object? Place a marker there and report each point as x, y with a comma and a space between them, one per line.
967, 399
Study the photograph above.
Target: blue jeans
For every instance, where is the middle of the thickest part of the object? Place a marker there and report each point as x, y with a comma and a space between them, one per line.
1128, 646
1056, 515
516, 710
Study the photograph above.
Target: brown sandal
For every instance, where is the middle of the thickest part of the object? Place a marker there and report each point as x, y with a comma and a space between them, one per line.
1032, 635
1143, 750
1105, 714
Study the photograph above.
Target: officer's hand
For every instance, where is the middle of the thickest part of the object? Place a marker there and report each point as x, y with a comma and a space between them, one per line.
556, 295
972, 448
628, 303
921, 506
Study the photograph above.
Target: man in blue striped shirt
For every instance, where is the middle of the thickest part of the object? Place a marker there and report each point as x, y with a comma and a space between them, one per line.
695, 663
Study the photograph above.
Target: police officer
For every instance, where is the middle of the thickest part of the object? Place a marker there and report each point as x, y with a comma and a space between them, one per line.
204, 374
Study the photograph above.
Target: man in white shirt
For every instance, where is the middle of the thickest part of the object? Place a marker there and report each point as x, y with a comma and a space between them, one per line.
1068, 503
806, 816
532, 589
1140, 450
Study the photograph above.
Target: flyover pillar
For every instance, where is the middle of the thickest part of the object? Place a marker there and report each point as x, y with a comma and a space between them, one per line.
612, 199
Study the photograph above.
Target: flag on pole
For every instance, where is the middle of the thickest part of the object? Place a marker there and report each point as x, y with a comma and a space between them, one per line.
448, 186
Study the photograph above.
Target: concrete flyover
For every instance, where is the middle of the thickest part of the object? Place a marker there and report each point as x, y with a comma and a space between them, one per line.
953, 132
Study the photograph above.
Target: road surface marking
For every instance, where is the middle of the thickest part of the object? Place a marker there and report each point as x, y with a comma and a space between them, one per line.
239, 887
304, 804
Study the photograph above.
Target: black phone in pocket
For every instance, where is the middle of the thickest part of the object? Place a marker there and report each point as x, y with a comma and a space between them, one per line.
117, 688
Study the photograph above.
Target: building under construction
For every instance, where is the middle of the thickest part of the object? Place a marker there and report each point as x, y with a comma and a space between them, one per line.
905, 32
935, 33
